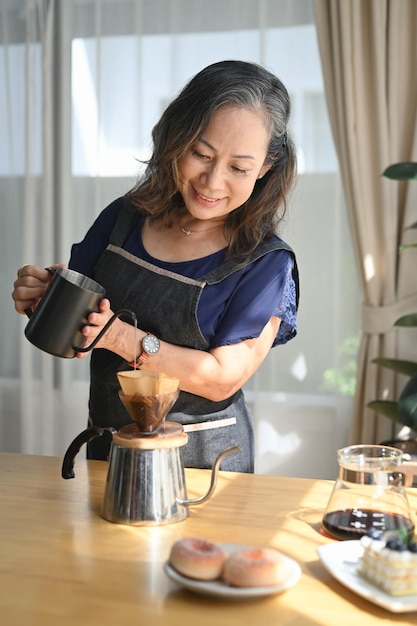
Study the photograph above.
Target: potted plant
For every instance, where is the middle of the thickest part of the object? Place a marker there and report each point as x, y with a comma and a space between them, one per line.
403, 410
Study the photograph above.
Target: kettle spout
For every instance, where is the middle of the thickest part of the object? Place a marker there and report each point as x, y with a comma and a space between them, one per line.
213, 482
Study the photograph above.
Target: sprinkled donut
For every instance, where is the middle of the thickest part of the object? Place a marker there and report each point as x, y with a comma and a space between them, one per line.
197, 558
255, 567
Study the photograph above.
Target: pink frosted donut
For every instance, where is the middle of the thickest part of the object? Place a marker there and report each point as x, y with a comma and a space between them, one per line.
255, 567
197, 558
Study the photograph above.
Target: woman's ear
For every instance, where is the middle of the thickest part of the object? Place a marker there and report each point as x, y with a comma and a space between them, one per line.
264, 169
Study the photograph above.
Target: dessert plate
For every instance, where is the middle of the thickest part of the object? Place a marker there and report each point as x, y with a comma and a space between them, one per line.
341, 560
222, 590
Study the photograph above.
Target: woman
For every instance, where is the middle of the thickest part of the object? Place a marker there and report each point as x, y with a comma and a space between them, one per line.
192, 250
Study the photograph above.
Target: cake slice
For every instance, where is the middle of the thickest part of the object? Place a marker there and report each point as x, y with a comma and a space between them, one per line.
390, 563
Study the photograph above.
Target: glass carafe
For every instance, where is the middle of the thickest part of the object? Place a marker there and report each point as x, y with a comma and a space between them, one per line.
368, 493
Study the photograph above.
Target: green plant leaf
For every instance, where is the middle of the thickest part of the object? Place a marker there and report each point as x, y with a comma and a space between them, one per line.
407, 403
409, 320
397, 365
406, 170
404, 246
387, 408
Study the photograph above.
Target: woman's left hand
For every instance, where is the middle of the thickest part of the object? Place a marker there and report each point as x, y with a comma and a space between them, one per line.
97, 321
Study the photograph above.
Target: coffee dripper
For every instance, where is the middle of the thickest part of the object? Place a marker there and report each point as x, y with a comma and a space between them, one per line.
145, 482
368, 494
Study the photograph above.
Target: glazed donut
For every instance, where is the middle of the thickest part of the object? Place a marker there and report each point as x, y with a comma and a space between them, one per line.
255, 567
197, 558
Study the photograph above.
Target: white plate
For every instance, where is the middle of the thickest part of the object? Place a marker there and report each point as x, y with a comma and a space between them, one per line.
222, 590
341, 560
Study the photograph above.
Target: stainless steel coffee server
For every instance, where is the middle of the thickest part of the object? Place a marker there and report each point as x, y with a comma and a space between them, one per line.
145, 482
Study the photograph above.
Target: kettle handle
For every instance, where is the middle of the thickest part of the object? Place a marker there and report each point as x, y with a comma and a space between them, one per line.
85, 436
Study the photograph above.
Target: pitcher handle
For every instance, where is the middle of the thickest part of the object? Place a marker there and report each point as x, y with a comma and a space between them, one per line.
103, 330
29, 311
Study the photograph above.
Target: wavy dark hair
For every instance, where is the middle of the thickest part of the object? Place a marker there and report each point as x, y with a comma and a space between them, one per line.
226, 83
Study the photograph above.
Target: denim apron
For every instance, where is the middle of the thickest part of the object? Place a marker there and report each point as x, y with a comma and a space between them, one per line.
165, 304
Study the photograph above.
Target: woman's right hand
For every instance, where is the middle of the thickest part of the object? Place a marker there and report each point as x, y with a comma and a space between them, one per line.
30, 286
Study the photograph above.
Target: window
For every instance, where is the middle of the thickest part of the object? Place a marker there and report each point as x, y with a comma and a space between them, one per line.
74, 144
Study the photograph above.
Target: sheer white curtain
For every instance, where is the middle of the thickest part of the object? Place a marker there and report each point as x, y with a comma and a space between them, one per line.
85, 80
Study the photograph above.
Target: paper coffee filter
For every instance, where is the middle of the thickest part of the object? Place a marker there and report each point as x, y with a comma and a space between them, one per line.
138, 382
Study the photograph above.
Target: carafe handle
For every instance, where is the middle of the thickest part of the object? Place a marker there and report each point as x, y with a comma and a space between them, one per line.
409, 469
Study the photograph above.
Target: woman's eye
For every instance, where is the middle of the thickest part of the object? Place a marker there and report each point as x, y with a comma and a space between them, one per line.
239, 170
199, 155
206, 157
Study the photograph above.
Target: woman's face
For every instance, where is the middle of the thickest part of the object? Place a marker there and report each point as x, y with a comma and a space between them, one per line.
219, 172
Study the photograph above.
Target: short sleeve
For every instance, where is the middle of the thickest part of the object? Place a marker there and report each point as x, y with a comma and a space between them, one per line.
287, 309
265, 288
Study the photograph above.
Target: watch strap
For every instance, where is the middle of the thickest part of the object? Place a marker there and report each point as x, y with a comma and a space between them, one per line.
140, 360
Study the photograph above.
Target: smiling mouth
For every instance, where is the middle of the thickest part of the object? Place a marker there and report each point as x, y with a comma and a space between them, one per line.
206, 198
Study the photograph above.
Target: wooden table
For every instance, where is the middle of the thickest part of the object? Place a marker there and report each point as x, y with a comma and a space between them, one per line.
62, 564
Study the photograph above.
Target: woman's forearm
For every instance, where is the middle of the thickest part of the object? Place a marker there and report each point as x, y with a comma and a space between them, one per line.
214, 375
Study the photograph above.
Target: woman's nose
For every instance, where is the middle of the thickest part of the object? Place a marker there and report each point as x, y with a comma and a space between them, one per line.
213, 177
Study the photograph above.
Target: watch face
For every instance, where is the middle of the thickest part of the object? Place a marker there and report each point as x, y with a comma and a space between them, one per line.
151, 344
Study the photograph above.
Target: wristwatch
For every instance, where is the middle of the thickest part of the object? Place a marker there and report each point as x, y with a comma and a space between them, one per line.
150, 346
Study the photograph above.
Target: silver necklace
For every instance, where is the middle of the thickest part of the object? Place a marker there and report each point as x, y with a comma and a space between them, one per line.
188, 232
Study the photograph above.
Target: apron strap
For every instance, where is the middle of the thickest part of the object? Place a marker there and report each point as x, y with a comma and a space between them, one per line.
230, 266
227, 421
124, 222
